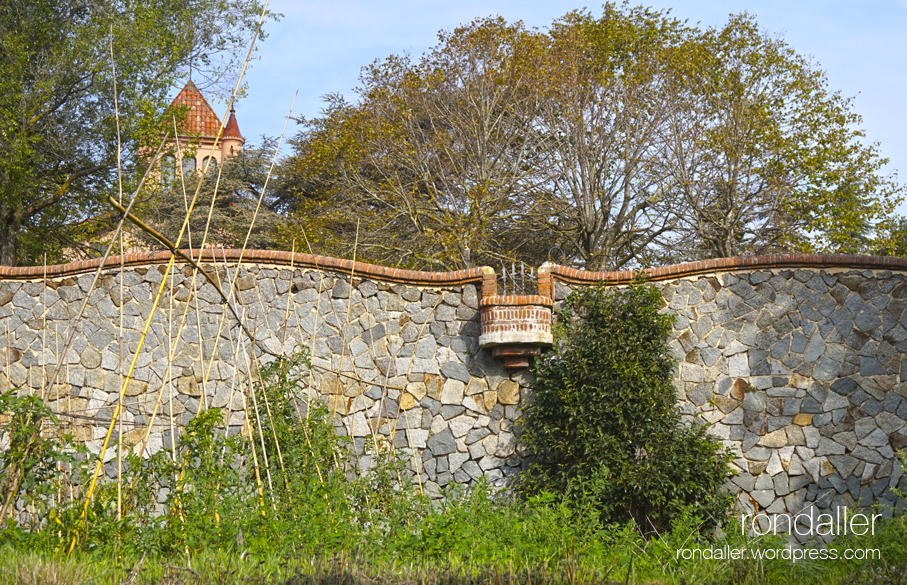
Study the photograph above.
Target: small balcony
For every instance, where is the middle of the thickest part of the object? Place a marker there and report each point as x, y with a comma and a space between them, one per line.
515, 327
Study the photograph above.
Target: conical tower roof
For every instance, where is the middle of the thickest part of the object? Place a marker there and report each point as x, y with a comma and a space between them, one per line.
232, 128
200, 118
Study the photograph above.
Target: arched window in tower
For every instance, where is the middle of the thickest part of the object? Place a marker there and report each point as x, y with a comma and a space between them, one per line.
212, 168
188, 164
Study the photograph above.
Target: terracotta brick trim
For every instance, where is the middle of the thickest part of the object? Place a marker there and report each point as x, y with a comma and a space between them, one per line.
479, 275
717, 265
311, 261
516, 301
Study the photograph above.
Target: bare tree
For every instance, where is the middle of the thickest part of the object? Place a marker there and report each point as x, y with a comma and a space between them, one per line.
603, 115
440, 158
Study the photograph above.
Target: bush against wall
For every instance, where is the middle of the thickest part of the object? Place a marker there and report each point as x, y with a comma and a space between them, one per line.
603, 428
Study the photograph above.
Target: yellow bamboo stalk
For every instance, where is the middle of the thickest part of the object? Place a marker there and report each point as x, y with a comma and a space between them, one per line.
203, 405
120, 405
169, 373
188, 211
116, 110
154, 306
182, 176
116, 412
349, 301
264, 452
286, 321
44, 332
163, 281
286, 314
283, 469
97, 274
261, 495
232, 383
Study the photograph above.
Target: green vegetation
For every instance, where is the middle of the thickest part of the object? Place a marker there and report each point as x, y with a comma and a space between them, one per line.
603, 425
625, 138
620, 139
234, 188
82, 87
290, 503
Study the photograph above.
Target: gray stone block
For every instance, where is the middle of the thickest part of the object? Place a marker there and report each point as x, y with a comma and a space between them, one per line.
758, 454
744, 481
763, 497
791, 406
781, 484
763, 482
442, 443
870, 366
844, 386
826, 368
754, 401
449, 411
456, 371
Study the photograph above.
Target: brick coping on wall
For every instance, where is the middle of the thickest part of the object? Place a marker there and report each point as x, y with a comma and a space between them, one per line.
416, 277
717, 265
483, 276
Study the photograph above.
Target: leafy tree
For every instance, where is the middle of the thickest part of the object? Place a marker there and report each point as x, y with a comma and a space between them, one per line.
58, 129
624, 139
602, 427
762, 156
603, 111
438, 158
892, 239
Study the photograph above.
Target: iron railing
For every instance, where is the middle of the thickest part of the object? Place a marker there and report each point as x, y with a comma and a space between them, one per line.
518, 279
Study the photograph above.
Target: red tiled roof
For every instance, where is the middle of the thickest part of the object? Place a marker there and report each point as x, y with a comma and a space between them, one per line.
232, 128
200, 119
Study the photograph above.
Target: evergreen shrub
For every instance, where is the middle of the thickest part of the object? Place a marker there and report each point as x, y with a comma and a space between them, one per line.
603, 427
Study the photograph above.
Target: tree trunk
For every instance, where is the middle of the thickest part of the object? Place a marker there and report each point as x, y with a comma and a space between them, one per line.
9, 239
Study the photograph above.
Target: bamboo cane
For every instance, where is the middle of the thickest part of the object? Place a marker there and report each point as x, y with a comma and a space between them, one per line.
116, 110
44, 332
158, 296
264, 452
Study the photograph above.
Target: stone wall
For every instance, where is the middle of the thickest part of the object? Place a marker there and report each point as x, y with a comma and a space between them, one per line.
800, 369
395, 353
797, 362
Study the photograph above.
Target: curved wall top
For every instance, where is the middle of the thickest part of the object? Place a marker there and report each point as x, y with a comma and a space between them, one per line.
472, 275
476, 275
577, 276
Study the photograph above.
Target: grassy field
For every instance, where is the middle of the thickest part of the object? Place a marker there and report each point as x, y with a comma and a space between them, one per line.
496, 544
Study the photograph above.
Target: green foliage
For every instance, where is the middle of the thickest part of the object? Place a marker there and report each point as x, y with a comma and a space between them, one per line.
235, 189
28, 459
603, 427
201, 515
434, 159
622, 138
770, 159
892, 240
66, 118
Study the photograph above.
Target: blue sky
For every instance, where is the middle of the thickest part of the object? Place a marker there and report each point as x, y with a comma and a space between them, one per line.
319, 48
